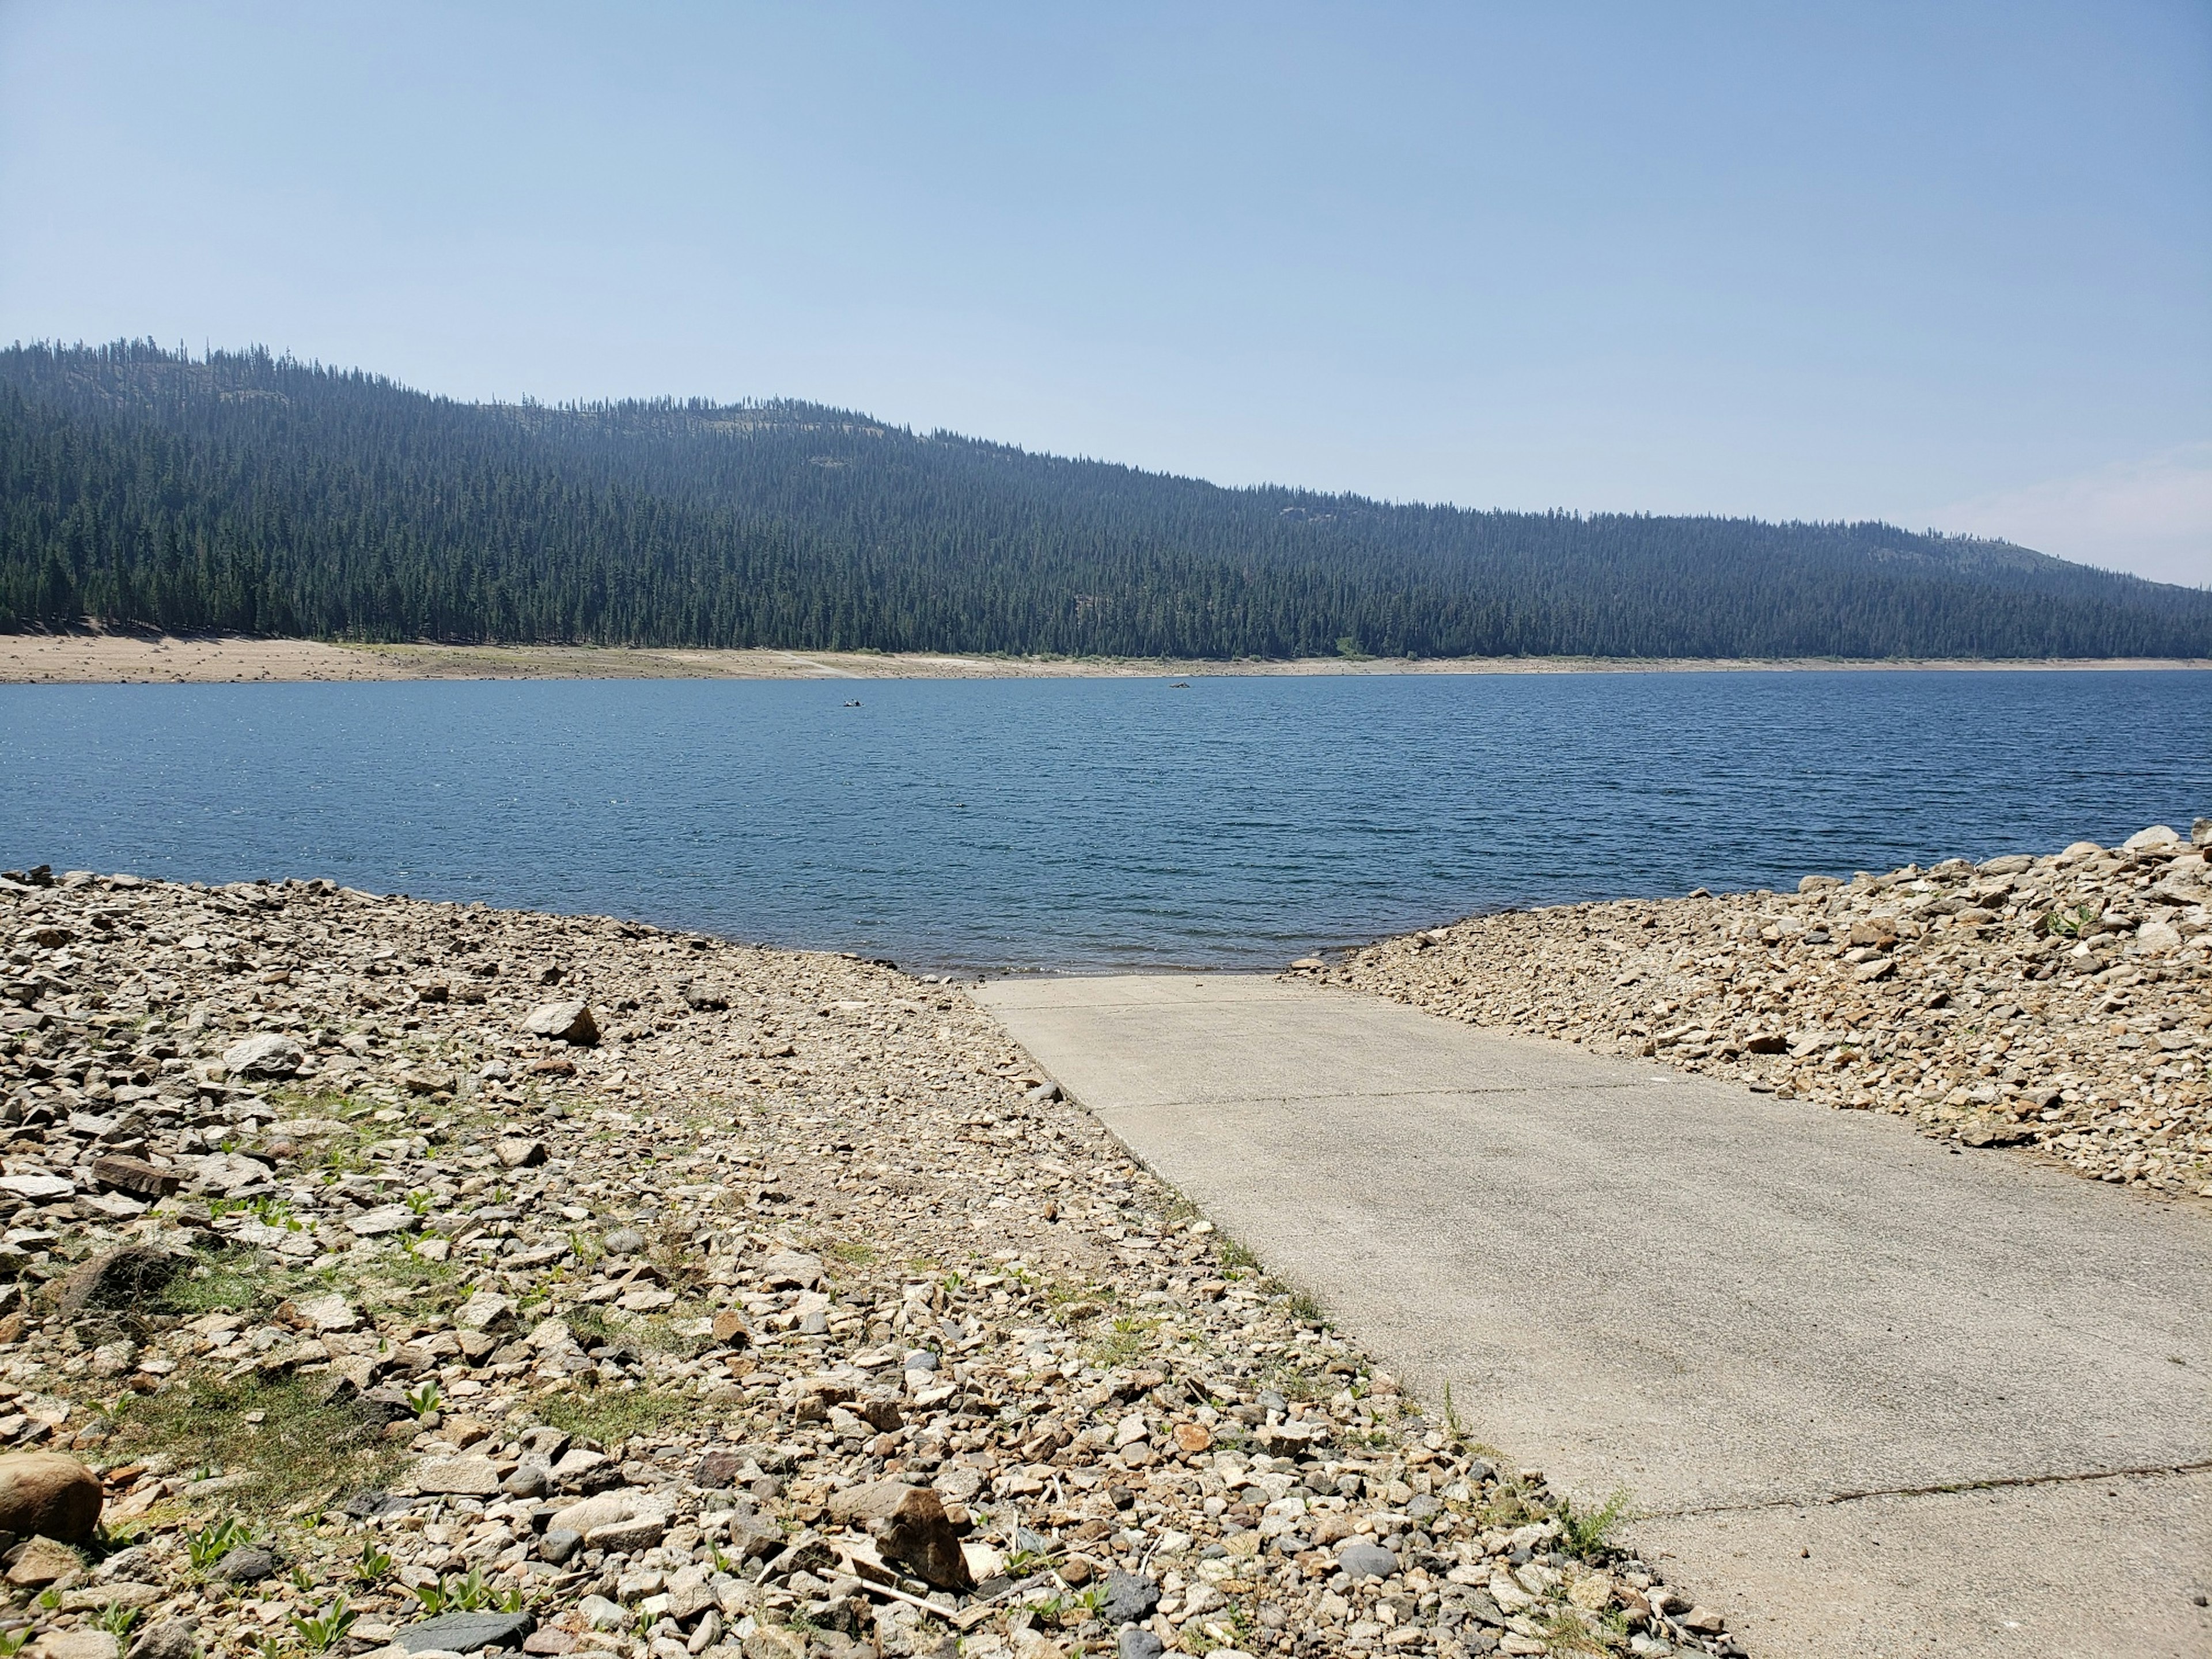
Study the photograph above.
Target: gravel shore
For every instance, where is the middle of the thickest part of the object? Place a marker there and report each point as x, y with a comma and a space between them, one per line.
89, 659
2062, 1003
419, 1278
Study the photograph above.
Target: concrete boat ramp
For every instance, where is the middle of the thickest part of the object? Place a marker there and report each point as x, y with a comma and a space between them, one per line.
1871, 1397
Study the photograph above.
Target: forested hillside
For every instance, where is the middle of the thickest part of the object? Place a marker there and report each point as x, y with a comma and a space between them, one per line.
252, 493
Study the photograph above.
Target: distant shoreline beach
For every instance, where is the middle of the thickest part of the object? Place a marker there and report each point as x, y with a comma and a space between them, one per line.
126, 659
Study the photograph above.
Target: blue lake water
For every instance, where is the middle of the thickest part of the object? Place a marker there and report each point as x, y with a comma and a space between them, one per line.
1090, 824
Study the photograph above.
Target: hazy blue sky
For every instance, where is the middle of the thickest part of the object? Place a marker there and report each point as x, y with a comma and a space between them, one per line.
1945, 263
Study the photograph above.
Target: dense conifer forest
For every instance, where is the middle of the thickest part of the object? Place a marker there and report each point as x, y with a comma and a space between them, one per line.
144, 487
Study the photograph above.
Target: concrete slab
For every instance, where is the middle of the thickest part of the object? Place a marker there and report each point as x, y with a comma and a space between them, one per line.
1738, 1306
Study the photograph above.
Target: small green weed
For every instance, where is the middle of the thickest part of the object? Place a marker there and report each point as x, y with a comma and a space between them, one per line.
117, 1619
215, 1540
1589, 1532
320, 1631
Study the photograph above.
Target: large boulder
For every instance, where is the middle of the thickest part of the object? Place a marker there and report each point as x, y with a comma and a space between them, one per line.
49, 1495
909, 1525
269, 1055
564, 1022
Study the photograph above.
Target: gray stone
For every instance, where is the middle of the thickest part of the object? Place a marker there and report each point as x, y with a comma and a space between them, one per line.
463, 1477
466, 1632
558, 1544
532, 1478
625, 1241
1137, 1642
564, 1022
1130, 1598
266, 1055
167, 1639
789, 1270
1364, 1559
384, 1219
485, 1311
247, 1565
640, 1532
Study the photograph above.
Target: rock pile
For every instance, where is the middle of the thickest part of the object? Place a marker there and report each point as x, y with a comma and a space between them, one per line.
424, 1278
2062, 1003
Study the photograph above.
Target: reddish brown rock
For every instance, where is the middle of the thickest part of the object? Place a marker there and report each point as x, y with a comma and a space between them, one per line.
910, 1525
137, 1176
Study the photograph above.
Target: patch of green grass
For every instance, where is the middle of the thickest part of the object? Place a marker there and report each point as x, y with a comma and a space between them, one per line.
1512, 1506
1127, 1341
611, 1415
1566, 1630
300, 1446
858, 1255
588, 1322
436, 1285
1234, 1257
1306, 1310
222, 1281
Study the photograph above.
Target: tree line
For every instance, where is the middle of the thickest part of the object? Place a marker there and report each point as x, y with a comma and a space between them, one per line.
245, 491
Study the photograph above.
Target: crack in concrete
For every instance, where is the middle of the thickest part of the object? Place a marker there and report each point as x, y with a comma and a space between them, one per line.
1993, 1483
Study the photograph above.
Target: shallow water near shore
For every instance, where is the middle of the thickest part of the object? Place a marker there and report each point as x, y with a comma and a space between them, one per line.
1089, 824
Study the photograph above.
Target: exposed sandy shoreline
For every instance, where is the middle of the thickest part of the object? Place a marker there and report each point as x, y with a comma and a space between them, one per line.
109, 659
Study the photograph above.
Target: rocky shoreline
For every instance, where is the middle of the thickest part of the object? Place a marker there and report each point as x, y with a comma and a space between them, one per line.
411, 1277
91, 657
2060, 1003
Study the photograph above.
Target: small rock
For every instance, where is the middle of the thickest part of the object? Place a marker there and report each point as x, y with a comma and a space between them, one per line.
135, 1175
641, 1532
460, 1477
267, 1056
43, 1561
789, 1270
564, 1022
485, 1311
1137, 1642
249, 1563
325, 1314
167, 1639
1363, 1559
517, 1153
74, 1645
466, 1632
557, 1544
909, 1525
35, 1188
623, 1241
730, 1327
382, 1221
1130, 1598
